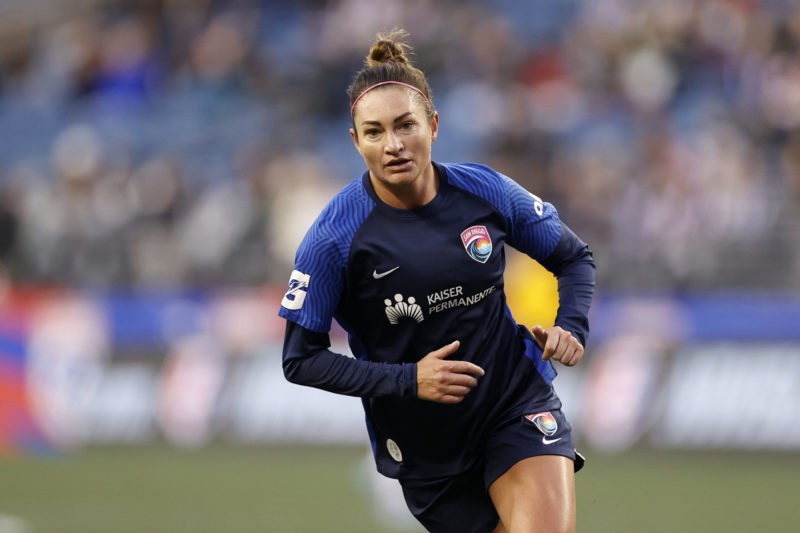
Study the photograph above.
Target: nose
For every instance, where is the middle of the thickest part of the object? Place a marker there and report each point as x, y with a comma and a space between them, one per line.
393, 143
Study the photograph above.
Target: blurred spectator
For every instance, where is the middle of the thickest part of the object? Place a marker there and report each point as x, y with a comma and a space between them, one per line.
8, 225
183, 143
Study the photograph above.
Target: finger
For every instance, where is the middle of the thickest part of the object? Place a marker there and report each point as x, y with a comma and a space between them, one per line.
450, 399
446, 350
576, 355
539, 335
463, 380
563, 347
572, 351
465, 367
456, 390
550, 347
563, 356
569, 353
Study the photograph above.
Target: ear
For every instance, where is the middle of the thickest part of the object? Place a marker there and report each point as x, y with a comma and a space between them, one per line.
434, 126
354, 136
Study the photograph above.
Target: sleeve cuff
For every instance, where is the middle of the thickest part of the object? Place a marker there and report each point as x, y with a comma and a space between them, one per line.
408, 381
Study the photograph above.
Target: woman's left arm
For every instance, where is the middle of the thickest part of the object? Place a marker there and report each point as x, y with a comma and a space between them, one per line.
572, 263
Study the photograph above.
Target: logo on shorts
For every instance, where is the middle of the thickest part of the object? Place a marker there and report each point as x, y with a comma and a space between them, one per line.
394, 450
399, 309
544, 422
477, 242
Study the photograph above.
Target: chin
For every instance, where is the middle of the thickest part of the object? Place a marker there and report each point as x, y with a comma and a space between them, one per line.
391, 177
401, 180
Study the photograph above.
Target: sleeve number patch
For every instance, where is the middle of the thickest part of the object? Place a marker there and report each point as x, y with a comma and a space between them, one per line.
297, 291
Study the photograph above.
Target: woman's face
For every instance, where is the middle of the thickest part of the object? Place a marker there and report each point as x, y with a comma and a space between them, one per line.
394, 136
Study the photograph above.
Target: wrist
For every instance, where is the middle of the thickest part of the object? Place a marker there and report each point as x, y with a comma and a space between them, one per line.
408, 381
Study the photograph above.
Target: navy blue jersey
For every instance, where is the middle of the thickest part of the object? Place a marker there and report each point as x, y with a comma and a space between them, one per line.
403, 283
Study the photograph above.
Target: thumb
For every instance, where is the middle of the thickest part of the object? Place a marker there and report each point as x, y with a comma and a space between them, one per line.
540, 335
446, 350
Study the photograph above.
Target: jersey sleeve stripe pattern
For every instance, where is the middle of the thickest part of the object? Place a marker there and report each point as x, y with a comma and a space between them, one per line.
533, 225
323, 256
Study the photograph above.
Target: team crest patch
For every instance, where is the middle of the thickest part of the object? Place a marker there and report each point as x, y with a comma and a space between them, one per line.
477, 242
544, 422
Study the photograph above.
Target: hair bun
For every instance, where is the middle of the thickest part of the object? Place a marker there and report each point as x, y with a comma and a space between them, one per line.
387, 62
388, 48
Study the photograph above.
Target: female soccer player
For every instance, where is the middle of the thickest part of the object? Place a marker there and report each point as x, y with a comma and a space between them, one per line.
409, 260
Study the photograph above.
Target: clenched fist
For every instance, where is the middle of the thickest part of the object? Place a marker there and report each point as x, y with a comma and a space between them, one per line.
558, 344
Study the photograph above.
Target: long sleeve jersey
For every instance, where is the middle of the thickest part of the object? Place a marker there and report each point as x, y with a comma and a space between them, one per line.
403, 283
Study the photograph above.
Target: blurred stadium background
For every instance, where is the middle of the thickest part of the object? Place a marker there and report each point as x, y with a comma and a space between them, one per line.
161, 159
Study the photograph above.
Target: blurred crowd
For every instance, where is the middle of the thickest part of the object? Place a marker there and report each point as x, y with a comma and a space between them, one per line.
186, 143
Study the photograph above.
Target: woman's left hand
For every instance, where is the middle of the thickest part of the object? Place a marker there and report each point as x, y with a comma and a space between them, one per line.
558, 344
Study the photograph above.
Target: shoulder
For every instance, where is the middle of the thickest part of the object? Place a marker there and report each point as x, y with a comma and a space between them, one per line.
489, 184
351, 205
475, 177
339, 220
345, 212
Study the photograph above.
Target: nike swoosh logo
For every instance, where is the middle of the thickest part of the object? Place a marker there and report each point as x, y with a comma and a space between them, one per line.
545, 440
383, 274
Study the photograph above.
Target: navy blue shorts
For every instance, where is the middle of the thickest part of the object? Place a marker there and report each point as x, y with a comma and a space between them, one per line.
461, 504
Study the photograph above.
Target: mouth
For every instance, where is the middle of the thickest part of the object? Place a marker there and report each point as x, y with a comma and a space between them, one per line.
397, 164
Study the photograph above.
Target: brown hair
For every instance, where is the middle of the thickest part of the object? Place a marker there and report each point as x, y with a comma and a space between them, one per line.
387, 61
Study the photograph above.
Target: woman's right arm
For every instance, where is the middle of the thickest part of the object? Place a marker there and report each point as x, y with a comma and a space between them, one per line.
308, 361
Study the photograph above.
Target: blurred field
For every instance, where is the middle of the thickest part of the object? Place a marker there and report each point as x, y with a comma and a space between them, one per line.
321, 490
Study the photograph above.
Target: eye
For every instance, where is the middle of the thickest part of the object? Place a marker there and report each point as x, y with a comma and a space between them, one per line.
372, 133
407, 125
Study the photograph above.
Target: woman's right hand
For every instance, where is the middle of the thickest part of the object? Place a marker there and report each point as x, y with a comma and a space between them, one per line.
444, 381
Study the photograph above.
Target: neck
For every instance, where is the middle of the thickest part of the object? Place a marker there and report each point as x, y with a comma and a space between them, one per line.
412, 195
